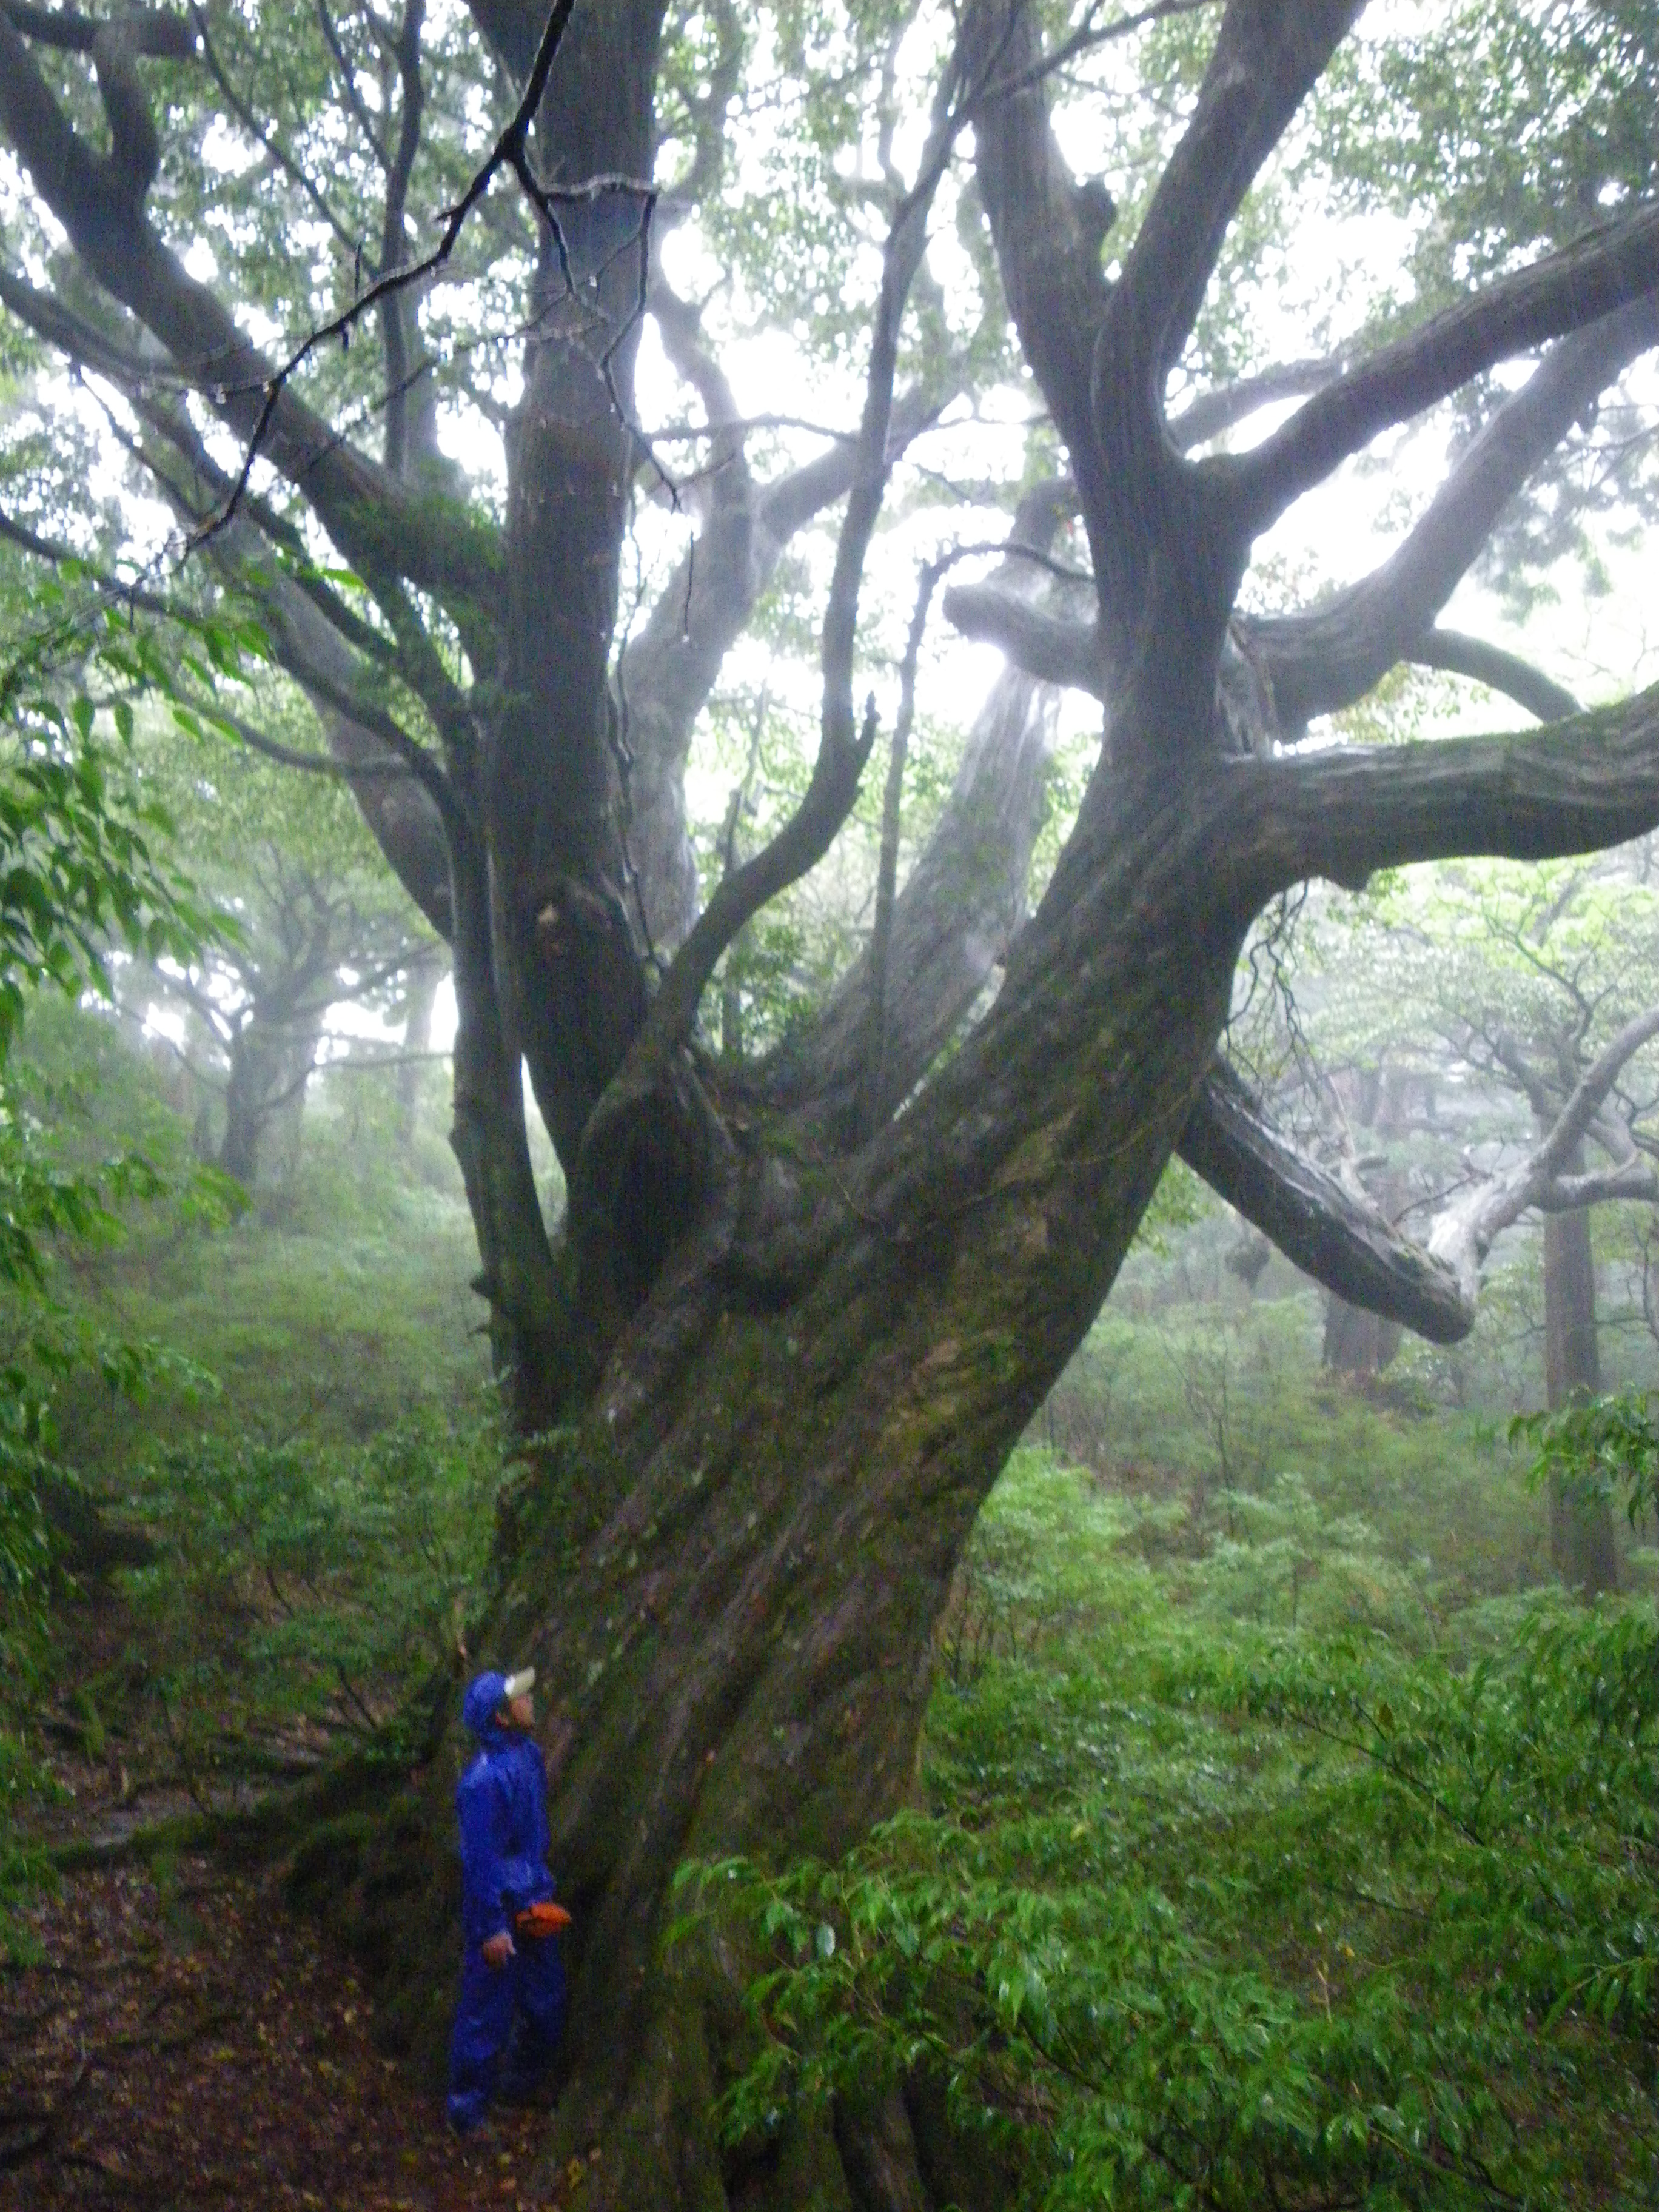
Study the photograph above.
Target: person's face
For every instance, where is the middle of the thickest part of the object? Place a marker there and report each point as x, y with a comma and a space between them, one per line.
520, 1711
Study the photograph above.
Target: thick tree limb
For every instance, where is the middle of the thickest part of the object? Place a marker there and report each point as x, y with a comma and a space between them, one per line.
1050, 261
1323, 661
1045, 646
1165, 535
1213, 414
74, 338
1335, 1236
1267, 55
1578, 785
1611, 265
1066, 652
1319, 662
153, 33
511, 28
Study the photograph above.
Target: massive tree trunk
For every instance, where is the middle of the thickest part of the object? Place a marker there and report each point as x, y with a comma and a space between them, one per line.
1583, 1549
728, 1576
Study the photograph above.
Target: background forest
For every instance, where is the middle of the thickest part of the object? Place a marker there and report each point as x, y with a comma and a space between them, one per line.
1282, 1830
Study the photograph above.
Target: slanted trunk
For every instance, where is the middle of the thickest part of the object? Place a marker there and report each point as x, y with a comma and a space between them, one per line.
1582, 1549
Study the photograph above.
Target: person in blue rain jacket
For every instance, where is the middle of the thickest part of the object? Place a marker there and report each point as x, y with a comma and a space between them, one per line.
512, 2000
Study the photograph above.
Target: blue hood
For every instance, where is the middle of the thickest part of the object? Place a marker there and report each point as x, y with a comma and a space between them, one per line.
483, 1701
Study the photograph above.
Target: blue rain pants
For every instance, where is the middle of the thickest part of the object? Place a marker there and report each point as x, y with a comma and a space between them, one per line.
517, 2010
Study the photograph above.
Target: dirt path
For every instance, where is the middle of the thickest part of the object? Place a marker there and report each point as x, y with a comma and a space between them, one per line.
186, 2043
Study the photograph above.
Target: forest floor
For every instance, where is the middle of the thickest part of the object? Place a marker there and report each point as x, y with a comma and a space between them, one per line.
187, 2041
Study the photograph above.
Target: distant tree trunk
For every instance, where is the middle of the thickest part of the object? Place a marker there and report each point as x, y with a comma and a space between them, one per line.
270, 1068
1582, 1546
424, 981
1357, 1343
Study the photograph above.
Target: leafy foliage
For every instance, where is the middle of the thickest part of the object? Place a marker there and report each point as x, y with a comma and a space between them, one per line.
87, 871
1598, 1448
305, 1591
1207, 1915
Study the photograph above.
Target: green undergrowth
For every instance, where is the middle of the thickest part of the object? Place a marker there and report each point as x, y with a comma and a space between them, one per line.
325, 1308
302, 1596
237, 1559
1200, 1405
1255, 1874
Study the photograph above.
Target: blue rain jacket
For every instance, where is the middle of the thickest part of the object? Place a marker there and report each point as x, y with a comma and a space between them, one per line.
500, 1803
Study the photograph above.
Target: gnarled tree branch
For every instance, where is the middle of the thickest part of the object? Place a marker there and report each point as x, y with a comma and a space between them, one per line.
1547, 1177
1324, 660
1579, 784
1497, 668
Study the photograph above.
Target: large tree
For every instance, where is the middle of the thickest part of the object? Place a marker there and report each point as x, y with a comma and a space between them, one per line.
796, 1311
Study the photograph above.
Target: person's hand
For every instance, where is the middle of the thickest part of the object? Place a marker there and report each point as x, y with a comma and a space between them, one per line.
498, 1950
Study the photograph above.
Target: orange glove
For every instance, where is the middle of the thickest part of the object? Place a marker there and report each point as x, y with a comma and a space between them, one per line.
542, 1919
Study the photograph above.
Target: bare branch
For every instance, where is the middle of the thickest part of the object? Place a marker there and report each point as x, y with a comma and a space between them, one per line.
1546, 1177
1589, 1095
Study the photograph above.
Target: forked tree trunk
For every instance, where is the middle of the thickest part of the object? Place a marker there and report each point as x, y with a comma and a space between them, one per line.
1582, 1547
